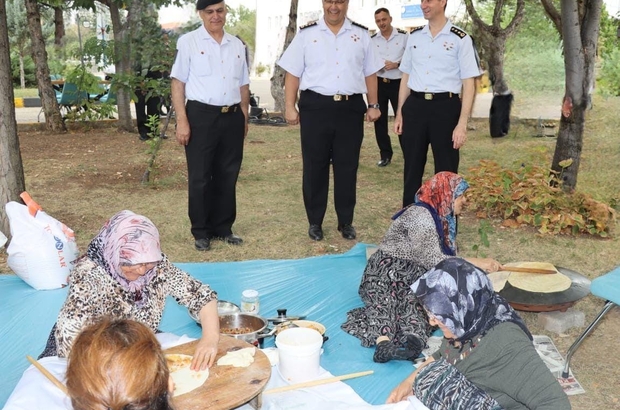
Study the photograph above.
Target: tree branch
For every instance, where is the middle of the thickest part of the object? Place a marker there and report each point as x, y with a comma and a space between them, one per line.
497, 13
553, 14
471, 10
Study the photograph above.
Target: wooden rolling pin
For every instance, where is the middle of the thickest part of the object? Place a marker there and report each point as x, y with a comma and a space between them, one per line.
527, 270
47, 374
318, 382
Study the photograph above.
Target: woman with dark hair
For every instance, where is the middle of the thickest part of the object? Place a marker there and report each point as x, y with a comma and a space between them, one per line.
125, 275
118, 365
487, 359
421, 236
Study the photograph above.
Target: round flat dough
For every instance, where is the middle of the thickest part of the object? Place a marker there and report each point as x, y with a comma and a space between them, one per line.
537, 282
185, 379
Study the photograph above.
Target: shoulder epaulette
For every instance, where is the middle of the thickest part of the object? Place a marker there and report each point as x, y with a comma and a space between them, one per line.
401, 31
374, 35
458, 31
413, 30
312, 23
359, 25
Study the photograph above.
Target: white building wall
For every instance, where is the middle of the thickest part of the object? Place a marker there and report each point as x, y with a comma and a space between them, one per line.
272, 19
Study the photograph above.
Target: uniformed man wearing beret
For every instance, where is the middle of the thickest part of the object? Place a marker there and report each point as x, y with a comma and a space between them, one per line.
390, 44
333, 64
211, 73
436, 95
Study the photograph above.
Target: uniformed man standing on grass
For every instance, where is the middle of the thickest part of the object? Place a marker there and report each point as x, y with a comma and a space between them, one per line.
438, 66
333, 64
211, 72
389, 45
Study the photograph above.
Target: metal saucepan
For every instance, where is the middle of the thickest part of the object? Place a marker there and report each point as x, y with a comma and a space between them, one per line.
226, 308
282, 317
243, 326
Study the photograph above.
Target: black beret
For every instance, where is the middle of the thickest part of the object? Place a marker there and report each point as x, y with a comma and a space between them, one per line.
203, 4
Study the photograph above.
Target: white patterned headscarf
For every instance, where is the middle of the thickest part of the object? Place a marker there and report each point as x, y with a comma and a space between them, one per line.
127, 239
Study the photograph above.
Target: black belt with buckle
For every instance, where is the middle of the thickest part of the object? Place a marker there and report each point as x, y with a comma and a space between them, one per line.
222, 109
335, 97
387, 80
433, 96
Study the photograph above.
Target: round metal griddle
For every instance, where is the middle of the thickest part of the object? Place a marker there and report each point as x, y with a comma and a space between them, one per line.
546, 302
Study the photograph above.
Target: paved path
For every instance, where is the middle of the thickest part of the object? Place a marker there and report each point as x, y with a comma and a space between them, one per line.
261, 87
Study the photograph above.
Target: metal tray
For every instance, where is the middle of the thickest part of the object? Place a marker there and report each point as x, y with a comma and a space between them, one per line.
546, 302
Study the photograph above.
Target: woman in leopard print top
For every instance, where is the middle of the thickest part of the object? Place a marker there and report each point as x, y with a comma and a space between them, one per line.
421, 236
124, 275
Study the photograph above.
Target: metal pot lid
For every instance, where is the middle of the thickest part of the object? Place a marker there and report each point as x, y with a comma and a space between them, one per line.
579, 288
282, 317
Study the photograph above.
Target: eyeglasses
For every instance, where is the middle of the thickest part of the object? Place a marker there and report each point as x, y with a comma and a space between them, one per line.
338, 2
139, 266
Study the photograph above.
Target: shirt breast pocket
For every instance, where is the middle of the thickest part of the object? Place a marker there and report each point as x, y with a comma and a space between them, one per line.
201, 65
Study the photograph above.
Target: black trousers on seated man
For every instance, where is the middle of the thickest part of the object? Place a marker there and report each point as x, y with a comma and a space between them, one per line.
428, 122
387, 93
330, 130
214, 154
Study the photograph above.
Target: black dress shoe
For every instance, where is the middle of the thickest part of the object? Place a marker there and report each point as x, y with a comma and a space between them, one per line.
232, 239
347, 230
144, 137
315, 232
202, 244
384, 162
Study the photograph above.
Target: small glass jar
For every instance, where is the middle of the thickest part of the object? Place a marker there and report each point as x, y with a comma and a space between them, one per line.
250, 302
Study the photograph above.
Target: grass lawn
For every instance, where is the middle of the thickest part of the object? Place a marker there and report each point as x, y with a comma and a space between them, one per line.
26, 92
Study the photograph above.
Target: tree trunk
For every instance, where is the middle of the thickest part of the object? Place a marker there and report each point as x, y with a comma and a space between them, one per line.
59, 26
277, 81
494, 40
496, 48
12, 181
122, 50
22, 73
580, 30
53, 119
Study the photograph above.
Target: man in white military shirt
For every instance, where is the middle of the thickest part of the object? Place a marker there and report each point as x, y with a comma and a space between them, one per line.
211, 73
389, 45
332, 62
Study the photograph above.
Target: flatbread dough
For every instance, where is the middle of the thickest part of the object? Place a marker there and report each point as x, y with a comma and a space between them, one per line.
537, 282
238, 358
498, 279
185, 379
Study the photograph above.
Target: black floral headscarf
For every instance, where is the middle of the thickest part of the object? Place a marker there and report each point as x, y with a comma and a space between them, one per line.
461, 296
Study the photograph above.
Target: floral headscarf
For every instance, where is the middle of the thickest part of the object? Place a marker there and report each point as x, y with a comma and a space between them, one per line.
461, 297
127, 238
439, 193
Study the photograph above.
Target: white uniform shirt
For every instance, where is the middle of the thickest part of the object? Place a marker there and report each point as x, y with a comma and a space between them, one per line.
439, 64
331, 64
213, 73
391, 49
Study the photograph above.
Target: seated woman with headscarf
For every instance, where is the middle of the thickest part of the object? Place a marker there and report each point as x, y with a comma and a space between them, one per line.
421, 236
487, 359
125, 275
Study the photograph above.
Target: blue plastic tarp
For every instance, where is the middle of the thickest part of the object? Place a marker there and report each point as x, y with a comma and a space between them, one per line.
322, 288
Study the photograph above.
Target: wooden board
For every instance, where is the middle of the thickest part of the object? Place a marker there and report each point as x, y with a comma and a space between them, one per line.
227, 387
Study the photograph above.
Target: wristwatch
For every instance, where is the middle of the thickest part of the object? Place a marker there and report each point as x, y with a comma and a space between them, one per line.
373, 106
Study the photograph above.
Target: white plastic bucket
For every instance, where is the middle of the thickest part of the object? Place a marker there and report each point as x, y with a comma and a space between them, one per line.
299, 351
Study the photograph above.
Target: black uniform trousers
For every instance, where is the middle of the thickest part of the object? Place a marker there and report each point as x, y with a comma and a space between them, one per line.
214, 154
427, 122
330, 130
387, 93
